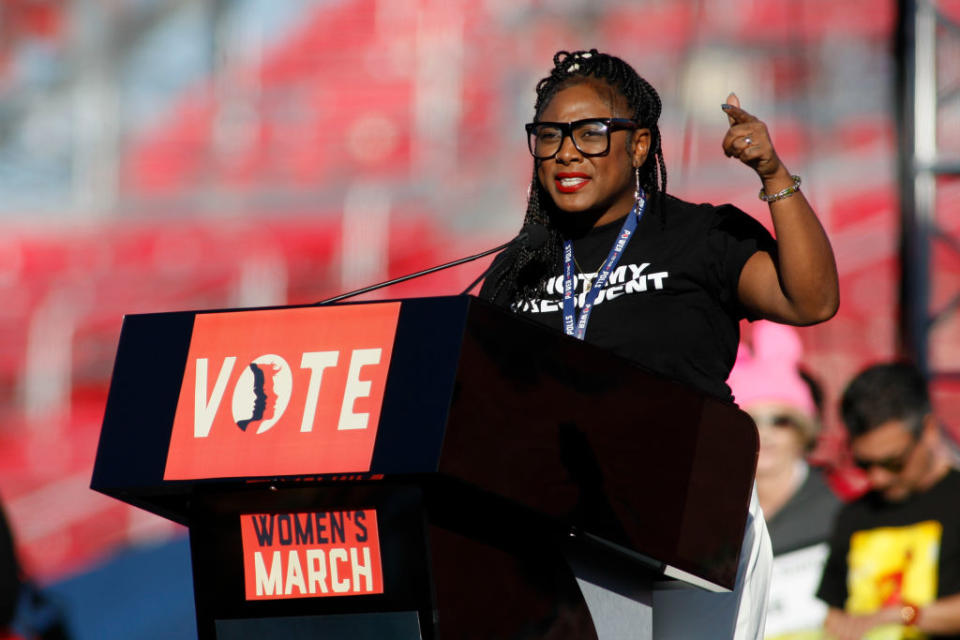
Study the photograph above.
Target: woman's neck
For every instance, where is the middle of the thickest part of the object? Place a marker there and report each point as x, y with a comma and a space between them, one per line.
776, 487
577, 225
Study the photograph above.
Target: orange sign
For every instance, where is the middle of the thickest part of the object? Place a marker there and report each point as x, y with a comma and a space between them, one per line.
282, 392
311, 555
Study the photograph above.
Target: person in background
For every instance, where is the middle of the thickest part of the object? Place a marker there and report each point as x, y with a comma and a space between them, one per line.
894, 565
797, 504
26, 612
10, 586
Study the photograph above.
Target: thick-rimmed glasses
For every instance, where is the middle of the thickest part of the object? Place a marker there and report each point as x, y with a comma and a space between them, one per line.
590, 136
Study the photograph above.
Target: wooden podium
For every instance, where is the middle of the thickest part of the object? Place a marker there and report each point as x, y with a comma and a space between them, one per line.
415, 468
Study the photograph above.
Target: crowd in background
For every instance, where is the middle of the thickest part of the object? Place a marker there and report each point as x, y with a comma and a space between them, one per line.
884, 565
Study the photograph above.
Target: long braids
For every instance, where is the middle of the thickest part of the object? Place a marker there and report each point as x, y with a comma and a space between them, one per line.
526, 276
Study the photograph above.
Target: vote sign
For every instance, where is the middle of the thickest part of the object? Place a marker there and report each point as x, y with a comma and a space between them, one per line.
282, 392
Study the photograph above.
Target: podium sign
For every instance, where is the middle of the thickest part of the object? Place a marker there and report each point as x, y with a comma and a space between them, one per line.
427, 460
282, 392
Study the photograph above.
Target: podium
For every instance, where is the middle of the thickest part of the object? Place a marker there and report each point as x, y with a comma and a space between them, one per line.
415, 469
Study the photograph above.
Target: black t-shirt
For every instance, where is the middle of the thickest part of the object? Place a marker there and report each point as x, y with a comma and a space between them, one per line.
671, 304
886, 553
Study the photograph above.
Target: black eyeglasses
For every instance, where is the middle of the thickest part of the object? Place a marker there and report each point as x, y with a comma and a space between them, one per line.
590, 136
893, 464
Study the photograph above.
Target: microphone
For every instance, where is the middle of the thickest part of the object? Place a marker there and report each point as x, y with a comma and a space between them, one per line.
528, 235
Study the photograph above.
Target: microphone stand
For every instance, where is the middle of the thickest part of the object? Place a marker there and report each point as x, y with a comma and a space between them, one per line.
410, 276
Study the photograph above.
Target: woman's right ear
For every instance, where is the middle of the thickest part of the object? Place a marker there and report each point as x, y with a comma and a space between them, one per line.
641, 146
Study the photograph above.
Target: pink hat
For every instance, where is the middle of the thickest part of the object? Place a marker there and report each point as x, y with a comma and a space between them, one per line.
769, 373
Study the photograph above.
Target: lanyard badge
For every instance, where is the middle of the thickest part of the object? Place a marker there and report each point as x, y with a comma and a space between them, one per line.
577, 326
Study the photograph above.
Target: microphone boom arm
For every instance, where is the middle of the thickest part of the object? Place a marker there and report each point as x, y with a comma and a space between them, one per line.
410, 276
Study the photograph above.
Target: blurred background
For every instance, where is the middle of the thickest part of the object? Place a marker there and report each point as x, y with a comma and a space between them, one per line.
177, 154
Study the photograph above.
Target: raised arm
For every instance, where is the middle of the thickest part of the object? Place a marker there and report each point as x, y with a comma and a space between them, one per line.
798, 285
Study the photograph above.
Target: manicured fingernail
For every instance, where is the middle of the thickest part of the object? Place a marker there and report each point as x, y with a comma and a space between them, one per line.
726, 106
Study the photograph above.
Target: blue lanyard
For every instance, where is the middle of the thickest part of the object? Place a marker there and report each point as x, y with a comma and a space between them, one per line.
578, 327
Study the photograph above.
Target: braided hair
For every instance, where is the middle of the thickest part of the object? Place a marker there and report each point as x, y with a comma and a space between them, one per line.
526, 275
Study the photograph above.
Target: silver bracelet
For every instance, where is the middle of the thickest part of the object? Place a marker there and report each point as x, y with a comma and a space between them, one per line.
786, 193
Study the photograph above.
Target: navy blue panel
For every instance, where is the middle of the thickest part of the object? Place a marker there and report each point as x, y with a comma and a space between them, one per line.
144, 389
399, 625
420, 385
218, 564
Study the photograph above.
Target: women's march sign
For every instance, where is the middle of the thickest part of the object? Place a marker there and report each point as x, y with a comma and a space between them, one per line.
311, 555
282, 392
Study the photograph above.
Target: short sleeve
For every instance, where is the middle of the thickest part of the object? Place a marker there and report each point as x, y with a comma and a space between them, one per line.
833, 582
733, 238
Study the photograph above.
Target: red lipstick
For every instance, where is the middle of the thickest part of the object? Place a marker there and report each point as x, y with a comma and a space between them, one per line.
570, 181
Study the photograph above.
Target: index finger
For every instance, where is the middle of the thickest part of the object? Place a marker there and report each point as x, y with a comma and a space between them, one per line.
733, 101
737, 115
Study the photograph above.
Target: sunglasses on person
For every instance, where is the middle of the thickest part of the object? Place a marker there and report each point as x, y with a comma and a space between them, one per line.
774, 420
590, 136
893, 464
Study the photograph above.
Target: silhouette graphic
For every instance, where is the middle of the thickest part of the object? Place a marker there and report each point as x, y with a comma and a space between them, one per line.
260, 398
262, 393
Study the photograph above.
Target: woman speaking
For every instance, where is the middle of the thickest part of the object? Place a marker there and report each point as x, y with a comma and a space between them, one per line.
661, 281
